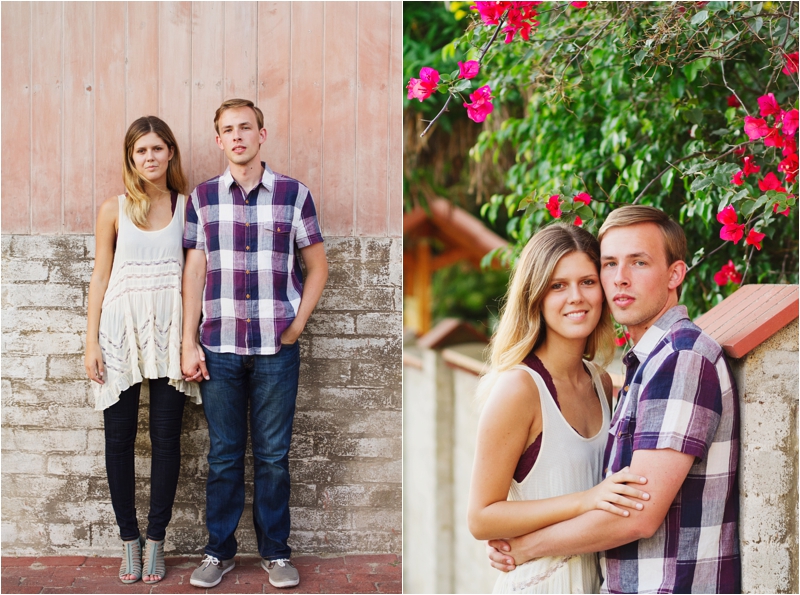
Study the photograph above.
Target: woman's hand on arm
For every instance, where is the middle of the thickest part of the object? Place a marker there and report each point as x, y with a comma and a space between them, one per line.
105, 242
615, 493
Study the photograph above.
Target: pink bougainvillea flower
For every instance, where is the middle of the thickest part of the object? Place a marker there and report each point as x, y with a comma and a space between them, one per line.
481, 105
583, 197
731, 230
739, 151
750, 166
468, 69
578, 221
754, 239
774, 138
785, 212
620, 341
520, 19
790, 122
733, 101
727, 273
490, 11
578, 4
738, 178
425, 85
771, 182
768, 105
791, 63
554, 206
789, 146
755, 128
789, 168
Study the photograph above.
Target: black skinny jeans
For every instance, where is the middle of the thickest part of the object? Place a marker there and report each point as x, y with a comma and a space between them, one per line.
166, 417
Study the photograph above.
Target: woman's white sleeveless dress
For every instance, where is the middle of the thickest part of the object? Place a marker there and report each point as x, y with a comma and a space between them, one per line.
566, 463
142, 313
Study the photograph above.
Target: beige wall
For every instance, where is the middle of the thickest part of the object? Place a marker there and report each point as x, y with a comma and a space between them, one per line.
326, 75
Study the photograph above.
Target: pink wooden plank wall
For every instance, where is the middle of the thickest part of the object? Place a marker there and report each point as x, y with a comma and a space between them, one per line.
326, 75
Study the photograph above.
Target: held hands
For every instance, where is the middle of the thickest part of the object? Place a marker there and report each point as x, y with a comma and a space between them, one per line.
193, 362
610, 494
93, 363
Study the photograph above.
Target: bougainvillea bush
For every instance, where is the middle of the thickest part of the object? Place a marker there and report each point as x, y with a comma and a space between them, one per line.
687, 106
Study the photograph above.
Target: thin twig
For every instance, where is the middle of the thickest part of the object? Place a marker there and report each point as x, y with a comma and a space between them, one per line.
724, 80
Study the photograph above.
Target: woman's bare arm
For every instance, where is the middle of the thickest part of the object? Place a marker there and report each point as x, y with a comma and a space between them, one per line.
105, 242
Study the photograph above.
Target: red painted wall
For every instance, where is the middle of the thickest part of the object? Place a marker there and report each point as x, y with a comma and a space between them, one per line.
327, 76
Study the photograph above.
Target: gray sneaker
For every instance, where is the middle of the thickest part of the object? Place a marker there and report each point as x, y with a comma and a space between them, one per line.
282, 573
210, 572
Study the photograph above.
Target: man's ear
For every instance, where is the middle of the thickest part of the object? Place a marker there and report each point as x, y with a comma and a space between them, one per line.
262, 136
219, 143
677, 273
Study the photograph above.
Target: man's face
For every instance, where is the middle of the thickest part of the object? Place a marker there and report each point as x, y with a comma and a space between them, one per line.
636, 278
239, 135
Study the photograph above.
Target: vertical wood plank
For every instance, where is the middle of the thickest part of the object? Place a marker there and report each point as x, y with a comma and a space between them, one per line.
373, 112
15, 178
208, 29
79, 95
305, 122
141, 84
175, 76
46, 129
241, 50
109, 103
339, 118
395, 136
274, 75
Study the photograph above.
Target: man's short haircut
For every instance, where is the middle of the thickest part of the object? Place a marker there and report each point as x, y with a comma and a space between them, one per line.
235, 103
674, 238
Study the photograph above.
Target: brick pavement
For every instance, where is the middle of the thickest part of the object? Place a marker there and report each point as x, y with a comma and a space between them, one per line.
81, 574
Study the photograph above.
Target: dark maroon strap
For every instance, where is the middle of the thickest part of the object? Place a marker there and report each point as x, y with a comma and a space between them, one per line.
173, 197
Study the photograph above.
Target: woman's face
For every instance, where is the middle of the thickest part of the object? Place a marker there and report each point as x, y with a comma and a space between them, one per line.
574, 302
151, 157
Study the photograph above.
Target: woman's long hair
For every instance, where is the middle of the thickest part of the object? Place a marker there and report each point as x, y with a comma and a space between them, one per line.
522, 327
137, 203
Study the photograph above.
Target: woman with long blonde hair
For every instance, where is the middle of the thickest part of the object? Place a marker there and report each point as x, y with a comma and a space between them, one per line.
134, 332
546, 411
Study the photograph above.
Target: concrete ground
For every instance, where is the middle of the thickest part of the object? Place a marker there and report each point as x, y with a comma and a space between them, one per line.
81, 574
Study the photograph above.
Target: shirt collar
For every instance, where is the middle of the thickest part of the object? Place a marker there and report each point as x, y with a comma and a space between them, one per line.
267, 178
656, 332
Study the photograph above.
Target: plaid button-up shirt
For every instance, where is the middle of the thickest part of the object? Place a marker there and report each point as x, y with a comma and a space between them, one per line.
679, 394
253, 278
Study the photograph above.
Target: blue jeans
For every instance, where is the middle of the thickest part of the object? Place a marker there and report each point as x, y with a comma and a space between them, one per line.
120, 422
268, 384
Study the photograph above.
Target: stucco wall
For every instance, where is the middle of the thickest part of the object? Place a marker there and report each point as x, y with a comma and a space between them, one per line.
345, 459
767, 379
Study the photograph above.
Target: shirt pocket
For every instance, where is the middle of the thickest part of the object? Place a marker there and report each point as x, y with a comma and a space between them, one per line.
277, 236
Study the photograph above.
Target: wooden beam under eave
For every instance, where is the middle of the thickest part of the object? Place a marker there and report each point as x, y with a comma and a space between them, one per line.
422, 287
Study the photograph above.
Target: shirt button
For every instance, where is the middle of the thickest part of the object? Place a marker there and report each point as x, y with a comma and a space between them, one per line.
627, 386
247, 296
247, 247
247, 225
248, 320
247, 202
247, 272
619, 434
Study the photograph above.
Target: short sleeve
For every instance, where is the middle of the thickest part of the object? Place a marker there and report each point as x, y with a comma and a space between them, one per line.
193, 233
308, 231
680, 405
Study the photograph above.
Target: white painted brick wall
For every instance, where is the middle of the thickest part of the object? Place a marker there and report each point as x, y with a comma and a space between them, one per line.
345, 458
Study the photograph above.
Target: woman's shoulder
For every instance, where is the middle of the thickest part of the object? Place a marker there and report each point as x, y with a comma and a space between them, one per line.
515, 387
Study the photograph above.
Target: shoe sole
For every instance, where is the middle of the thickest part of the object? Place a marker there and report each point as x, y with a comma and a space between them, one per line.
275, 583
204, 585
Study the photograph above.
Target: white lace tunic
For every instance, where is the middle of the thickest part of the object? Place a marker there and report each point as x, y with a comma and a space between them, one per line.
142, 313
567, 463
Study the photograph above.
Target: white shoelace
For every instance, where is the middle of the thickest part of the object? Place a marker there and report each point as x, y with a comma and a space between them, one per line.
209, 560
281, 562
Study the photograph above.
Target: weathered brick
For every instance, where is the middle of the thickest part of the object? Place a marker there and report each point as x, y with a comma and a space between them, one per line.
378, 323
79, 465
344, 274
23, 462
42, 343
342, 248
67, 534
302, 446
24, 416
368, 373
302, 494
315, 519
370, 496
39, 295
79, 513
331, 323
28, 538
67, 488
377, 520
765, 472
360, 398
763, 423
34, 366
49, 440
61, 247
325, 372
72, 417
56, 320
360, 347
334, 447
89, 245
65, 366
24, 270
42, 393
370, 423
376, 249
74, 272
355, 299
350, 472
375, 274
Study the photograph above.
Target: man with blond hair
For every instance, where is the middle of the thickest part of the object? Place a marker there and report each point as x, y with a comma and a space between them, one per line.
676, 423
246, 232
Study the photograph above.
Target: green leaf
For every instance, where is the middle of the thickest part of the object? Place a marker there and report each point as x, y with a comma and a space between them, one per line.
695, 258
677, 85
758, 22
640, 55
666, 179
695, 116
463, 85
585, 212
715, 6
619, 160
700, 183
700, 17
